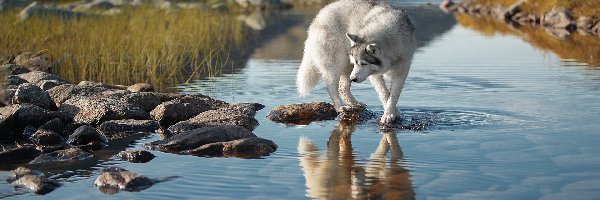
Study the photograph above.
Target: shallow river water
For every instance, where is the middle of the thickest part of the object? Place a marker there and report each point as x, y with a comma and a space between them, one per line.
507, 121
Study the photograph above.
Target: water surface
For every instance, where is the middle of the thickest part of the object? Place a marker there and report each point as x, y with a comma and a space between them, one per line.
508, 121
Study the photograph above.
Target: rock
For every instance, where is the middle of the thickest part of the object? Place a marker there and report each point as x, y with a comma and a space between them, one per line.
95, 5
63, 92
48, 84
139, 156
147, 101
84, 135
559, 18
6, 96
35, 9
184, 108
30, 115
70, 154
12, 4
141, 87
20, 154
447, 6
585, 24
46, 138
7, 129
93, 84
55, 125
33, 180
34, 61
356, 115
29, 93
596, 28
115, 128
36, 77
253, 147
195, 138
92, 146
112, 180
95, 110
236, 114
12, 69
303, 113
15, 81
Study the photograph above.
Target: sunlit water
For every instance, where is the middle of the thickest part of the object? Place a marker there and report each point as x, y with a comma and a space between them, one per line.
508, 121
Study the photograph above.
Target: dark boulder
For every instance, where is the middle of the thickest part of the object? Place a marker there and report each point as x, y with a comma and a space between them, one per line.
71, 154
95, 110
241, 114
20, 154
139, 156
14, 81
55, 125
195, 138
84, 135
46, 138
303, 113
30, 115
30, 93
33, 180
184, 108
114, 179
253, 147
118, 128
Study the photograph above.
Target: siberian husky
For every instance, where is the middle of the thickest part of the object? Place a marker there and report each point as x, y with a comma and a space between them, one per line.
354, 40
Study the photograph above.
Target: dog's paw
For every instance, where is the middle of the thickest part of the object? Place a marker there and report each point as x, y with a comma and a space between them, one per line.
388, 118
345, 108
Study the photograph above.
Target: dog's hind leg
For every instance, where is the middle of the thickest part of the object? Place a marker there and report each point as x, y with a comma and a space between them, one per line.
332, 82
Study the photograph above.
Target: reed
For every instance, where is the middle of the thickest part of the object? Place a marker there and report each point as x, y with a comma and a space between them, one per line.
590, 8
141, 45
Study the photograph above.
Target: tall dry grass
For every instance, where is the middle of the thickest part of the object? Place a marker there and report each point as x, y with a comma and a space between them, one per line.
142, 45
590, 8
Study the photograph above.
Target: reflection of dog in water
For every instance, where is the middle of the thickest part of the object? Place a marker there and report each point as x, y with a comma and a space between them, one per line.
336, 175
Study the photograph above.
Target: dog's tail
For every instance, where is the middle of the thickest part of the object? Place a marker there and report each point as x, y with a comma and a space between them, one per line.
308, 76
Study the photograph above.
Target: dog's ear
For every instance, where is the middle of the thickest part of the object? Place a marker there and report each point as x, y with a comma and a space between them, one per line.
353, 38
373, 49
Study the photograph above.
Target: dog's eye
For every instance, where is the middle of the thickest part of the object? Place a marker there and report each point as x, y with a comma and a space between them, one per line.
363, 64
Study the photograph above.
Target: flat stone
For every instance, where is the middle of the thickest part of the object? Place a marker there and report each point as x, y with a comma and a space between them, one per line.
253, 147
63, 92
112, 180
195, 138
30, 93
140, 87
302, 113
139, 156
95, 110
70, 154
184, 108
33, 180
241, 114
115, 128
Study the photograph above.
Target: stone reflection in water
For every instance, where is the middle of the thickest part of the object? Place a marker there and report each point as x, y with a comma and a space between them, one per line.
338, 175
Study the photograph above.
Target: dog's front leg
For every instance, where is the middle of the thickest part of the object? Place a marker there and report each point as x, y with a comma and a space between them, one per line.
390, 111
379, 84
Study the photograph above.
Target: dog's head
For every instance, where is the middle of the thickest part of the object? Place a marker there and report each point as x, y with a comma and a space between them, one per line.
366, 58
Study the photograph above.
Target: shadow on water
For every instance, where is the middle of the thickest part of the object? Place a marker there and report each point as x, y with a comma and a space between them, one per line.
336, 173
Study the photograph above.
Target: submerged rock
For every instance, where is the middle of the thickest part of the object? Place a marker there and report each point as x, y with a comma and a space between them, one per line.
95, 110
241, 114
195, 138
33, 180
30, 93
119, 128
184, 108
114, 179
21, 154
253, 147
70, 154
139, 156
356, 115
303, 113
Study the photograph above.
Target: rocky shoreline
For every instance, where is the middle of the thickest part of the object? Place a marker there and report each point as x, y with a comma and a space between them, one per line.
53, 120
559, 21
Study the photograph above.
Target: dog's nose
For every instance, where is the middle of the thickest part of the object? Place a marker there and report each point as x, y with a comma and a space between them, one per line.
354, 80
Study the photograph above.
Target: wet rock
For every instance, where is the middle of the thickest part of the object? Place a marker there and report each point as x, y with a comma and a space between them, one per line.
70, 154
7, 129
112, 180
141, 87
34, 61
20, 154
303, 113
139, 156
46, 138
92, 146
12, 69
95, 110
84, 135
30, 115
115, 128
356, 115
29, 93
559, 18
55, 125
241, 114
253, 147
36, 77
33, 180
195, 138
184, 108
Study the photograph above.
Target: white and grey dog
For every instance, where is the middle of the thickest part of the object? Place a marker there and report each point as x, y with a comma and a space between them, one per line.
379, 41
